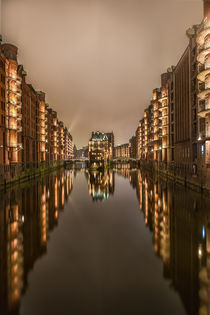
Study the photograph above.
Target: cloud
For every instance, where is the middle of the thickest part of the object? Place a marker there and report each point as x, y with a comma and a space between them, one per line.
98, 60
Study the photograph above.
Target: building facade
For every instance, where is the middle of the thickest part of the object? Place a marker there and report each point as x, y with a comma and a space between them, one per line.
122, 151
174, 133
110, 136
98, 149
30, 133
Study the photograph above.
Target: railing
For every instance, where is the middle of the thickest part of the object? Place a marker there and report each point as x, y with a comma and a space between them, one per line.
201, 68
201, 106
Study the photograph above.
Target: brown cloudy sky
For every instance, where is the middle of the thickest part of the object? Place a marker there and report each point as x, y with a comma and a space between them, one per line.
98, 60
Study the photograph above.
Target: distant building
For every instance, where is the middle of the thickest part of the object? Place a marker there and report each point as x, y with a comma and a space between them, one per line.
98, 152
110, 136
122, 151
75, 151
133, 147
82, 153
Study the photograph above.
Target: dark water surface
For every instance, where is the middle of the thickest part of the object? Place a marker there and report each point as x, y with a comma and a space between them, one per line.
114, 243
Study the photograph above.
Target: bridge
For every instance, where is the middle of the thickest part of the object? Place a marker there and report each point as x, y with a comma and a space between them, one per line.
124, 160
112, 161
80, 160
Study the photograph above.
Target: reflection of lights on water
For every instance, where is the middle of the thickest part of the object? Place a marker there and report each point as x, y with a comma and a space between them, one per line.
200, 252
203, 232
48, 194
23, 218
159, 202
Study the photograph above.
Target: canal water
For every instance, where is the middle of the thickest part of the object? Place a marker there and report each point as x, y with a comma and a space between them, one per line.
118, 242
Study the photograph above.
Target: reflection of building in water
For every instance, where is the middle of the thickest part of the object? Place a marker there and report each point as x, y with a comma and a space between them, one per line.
180, 223
101, 184
27, 215
15, 253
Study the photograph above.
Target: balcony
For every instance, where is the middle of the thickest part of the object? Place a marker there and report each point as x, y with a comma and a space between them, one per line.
164, 122
204, 135
202, 54
12, 114
12, 126
201, 87
203, 109
201, 37
204, 93
162, 106
163, 98
202, 75
163, 116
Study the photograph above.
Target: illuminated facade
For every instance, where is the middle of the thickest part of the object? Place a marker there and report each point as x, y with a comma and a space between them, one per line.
13, 118
41, 127
203, 76
122, 151
110, 136
179, 122
30, 133
152, 134
138, 138
61, 141
98, 149
2, 107
29, 105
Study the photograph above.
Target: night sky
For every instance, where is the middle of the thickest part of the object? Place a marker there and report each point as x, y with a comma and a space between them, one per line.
98, 60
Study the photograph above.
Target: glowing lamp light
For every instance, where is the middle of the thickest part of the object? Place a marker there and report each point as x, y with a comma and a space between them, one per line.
200, 252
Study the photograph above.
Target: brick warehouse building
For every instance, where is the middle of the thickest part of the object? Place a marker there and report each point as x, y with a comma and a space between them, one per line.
31, 136
175, 134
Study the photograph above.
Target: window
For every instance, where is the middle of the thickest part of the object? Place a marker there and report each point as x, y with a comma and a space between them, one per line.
2, 92
194, 114
2, 78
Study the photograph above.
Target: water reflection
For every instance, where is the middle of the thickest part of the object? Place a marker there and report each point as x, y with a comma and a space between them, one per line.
180, 224
101, 184
27, 215
179, 221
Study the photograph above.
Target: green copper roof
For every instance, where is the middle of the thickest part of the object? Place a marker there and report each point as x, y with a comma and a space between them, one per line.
190, 32
99, 136
24, 73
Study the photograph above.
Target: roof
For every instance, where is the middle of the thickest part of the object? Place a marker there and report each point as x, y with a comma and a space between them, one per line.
99, 136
